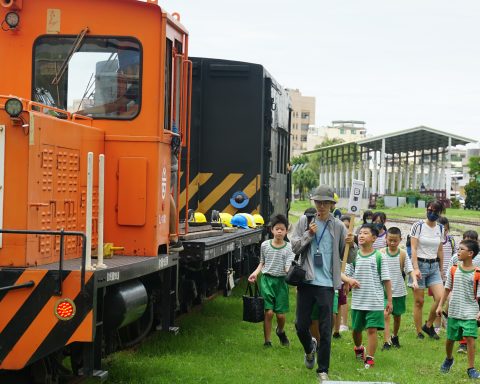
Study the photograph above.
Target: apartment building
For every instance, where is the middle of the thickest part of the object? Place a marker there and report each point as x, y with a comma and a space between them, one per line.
303, 116
346, 130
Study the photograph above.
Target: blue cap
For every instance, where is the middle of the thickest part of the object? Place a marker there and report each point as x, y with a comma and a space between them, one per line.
239, 200
239, 221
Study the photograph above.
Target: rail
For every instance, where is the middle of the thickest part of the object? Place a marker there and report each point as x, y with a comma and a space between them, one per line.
62, 234
411, 220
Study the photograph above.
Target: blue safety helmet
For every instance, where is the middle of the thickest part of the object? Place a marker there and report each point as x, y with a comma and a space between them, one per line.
239, 200
239, 221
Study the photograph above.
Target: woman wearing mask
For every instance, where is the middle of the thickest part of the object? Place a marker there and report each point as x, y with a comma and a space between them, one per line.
366, 219
427, 259
379, 219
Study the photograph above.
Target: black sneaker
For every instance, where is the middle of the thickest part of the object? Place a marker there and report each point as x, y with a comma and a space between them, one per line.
283, 338
175, 246
386, 346
395, 342
430, 331
267, 344
446, 365
336, 335
420, 336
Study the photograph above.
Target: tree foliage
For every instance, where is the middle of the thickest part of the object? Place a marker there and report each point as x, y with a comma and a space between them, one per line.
472, 189
302, 159
315, 157
305, 179
327, 142
474, 165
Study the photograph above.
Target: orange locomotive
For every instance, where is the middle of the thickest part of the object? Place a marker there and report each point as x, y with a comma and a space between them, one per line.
80, 79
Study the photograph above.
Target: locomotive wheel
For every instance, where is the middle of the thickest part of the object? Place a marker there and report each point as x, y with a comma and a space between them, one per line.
50, 370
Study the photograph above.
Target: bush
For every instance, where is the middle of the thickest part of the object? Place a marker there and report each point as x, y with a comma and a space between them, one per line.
380, 203
414, 193
455, 204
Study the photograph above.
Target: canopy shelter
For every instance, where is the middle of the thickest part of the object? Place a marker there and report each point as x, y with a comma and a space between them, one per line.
409, 159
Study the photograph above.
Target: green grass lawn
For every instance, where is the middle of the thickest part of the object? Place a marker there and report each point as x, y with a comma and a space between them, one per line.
215, 346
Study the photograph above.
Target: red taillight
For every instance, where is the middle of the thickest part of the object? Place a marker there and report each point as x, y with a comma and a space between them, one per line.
65, 309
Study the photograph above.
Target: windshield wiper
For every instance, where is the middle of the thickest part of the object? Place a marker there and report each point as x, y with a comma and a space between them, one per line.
75, 47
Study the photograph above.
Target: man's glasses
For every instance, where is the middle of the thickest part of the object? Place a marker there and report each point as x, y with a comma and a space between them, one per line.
322, 203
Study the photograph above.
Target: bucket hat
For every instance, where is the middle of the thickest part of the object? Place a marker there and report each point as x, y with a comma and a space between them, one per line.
323, 193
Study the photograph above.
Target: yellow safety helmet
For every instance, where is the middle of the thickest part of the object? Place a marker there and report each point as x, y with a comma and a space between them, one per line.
250, 220
258, 219
335, 197
198, 217
226, 218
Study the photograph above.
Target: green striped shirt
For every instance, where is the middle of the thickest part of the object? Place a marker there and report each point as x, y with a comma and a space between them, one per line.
276, 260
462, 304
393, 263
369, 297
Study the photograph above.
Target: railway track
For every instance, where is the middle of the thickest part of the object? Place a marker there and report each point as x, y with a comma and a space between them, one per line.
411, 220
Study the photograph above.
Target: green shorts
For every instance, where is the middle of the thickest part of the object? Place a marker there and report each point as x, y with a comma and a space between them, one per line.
367, 319
315, 309
399, 305
275, 293
458, 329
335, 302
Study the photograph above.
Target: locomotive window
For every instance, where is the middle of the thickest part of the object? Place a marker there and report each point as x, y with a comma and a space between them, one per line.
168, 83
177, 92
102, 78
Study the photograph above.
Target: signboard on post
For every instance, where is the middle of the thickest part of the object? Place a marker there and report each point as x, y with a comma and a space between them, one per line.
353, 209
356, 193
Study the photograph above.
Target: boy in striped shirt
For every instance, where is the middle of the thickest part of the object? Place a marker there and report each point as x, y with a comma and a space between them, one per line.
467, 235
463, 311
398, 263
368, 276
276, 256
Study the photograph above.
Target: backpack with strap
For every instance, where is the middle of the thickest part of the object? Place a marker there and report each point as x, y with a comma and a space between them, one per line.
420, 231
378, 256
403, 255
452, 244
476, 278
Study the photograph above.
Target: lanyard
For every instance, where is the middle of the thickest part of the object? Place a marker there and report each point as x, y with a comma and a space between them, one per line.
321, 235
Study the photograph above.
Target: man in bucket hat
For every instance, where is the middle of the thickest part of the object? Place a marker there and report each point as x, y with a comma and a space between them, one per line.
321, 244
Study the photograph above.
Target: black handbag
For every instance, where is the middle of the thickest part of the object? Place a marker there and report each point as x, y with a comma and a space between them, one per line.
296, 274
253, 305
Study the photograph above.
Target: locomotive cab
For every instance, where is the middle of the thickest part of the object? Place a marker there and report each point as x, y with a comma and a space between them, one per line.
83, 84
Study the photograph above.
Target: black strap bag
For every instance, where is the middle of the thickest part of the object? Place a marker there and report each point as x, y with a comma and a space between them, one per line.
253, 305
296, 274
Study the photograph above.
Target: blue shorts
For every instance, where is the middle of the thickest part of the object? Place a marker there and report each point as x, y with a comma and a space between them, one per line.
430, 274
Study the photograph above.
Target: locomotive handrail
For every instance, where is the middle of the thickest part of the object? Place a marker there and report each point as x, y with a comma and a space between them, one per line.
188, 115
27, 284
29, 104
62, 234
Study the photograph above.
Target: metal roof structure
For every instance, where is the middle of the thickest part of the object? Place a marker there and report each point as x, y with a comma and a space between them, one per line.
298, 167
407, 140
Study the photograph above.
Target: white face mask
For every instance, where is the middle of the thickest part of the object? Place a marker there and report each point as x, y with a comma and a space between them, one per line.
368, 221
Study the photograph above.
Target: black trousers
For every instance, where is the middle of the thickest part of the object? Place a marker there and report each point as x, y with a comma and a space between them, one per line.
307, 296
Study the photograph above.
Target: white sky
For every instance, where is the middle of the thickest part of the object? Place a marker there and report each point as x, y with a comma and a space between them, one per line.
393, 64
